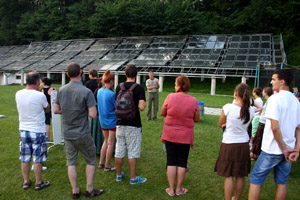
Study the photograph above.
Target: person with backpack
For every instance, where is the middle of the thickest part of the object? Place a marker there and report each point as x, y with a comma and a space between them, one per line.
130, 98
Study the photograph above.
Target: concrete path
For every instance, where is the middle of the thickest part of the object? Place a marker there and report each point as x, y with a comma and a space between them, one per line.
212, 111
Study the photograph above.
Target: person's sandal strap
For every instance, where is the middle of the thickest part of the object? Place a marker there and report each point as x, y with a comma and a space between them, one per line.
26, 185
94, 193
41, 185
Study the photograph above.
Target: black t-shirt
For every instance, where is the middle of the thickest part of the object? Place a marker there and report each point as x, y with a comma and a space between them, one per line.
139, 94
92, 85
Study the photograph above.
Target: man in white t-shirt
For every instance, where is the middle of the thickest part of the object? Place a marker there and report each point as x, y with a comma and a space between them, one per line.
152, 89
281, 139
32, 105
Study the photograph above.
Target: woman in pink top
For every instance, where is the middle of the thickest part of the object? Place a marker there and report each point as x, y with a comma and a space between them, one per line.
181, 111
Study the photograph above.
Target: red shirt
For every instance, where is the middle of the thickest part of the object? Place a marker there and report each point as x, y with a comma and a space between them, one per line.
179, 122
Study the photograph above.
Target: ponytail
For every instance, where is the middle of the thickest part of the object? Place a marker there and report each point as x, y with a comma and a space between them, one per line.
244, 93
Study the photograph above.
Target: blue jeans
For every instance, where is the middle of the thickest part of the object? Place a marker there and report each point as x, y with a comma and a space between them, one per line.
264, 165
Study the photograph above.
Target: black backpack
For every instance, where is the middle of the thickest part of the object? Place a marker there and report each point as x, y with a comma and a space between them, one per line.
125, 107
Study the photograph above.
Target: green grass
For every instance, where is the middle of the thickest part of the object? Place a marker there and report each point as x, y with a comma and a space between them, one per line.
201, 180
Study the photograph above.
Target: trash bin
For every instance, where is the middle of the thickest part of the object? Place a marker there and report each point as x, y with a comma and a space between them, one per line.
201, 108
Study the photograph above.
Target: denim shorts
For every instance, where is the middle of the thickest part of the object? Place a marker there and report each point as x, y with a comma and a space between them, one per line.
264, 165
33, 144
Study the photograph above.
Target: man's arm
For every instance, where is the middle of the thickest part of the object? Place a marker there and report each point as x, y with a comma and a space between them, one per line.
56, 109
93, 112
278, 137
47, 109
294, 156
142, 105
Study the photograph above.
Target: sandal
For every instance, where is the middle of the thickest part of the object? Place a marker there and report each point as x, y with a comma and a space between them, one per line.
100, 166
170, 194
182, 192
41, 185
111, 168
94, 193
26, 185
76, 195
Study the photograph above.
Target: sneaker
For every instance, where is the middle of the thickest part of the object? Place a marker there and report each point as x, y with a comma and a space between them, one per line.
120, 178
138, 180
154, 118
44, 168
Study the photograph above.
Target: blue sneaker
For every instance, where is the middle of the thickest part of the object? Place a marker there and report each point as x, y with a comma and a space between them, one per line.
138, 180
120, 178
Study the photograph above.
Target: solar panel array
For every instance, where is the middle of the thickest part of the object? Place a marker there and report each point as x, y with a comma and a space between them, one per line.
196, 54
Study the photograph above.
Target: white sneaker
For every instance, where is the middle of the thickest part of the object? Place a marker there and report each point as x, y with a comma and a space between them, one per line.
44, 168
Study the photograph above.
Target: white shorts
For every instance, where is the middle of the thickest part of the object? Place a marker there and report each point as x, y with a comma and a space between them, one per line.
130, 138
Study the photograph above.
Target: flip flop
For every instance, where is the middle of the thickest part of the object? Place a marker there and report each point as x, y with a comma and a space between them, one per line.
26, 185
171, 195
111, 168
182, 192
100, 166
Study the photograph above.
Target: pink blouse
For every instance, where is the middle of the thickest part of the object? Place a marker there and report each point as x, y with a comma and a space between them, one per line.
179, 122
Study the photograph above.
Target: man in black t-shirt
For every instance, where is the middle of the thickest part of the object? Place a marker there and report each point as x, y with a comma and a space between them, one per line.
92, 83
129, 133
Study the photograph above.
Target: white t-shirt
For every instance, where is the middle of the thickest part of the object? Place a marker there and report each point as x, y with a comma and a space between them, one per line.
284, 108
260, 102
236, 131
30, 105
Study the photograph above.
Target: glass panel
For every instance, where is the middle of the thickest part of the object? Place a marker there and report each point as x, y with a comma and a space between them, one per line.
265, 51
198, 63
196, 51
265, 45
221, 38
235, 38
147, 51
265, 58
200, 45
239, 64
211, 63
206, 51
203, 57
241, 58
251, 64
194, 57
230, 57
243, 51
171, 45
244, 45
231, 51
227, 64
187, 51
216, 51
234, 45
253, 51
191, 45
210, 45
255, 38
212, 38
254, 45
265, 38
219, 45
214, 57
245, 38
253, 58
201, 38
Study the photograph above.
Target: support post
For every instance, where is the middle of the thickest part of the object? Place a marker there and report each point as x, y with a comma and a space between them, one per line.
48, 74
213, 86
138, 79
116, 80
22, 77
144, 78
244, 80
63, 78
161, 83
202, 77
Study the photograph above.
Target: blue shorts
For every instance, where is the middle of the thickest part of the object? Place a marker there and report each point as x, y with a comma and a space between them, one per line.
33, 144
264, 165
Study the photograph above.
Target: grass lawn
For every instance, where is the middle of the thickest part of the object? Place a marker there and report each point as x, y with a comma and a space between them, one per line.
201, 180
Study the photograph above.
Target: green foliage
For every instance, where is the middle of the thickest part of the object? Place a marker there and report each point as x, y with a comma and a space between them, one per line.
23, 21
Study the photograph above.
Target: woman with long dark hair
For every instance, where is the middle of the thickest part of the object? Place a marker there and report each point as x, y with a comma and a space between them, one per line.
234, 158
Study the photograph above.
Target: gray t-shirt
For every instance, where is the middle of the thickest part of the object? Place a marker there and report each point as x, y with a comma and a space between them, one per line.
74, 100
152, 83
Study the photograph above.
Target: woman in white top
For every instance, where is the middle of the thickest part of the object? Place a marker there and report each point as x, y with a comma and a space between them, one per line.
234, 158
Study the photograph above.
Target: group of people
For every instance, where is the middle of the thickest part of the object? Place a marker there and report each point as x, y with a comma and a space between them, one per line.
279, 124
